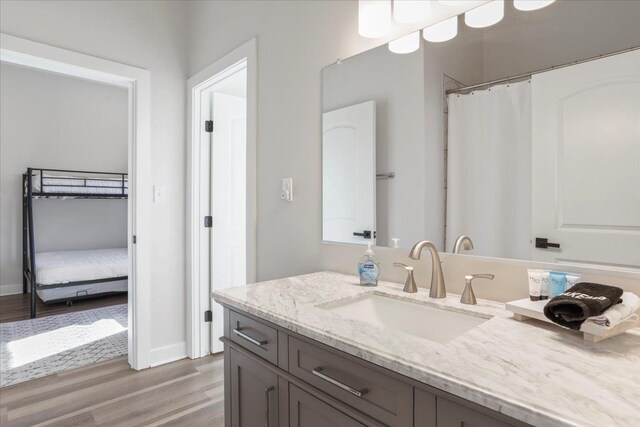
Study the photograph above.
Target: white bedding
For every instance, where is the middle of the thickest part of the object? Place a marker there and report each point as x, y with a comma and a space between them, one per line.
53, 268
47, 293
78, 184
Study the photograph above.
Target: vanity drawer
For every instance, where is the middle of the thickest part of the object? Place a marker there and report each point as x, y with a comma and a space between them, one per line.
258, 338
380, 396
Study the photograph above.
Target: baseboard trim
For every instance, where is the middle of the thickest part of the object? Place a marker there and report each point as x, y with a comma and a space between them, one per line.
10, 289
168, 353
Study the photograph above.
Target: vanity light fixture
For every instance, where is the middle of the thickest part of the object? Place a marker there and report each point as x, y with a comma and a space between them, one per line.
442, 31
374, 18
411, 11
528, 5
407, 44
485, 15
451, 2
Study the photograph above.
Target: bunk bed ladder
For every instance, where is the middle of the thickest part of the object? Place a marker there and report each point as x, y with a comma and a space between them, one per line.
25, 247
31, 243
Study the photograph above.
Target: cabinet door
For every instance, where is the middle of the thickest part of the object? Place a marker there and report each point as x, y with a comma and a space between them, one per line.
308, 411
254, 393
424, 409
451, 414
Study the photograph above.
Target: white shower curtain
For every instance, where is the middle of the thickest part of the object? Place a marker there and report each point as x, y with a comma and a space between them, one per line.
489, 170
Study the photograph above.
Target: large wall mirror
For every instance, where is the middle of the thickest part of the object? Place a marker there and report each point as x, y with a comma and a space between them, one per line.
524, 136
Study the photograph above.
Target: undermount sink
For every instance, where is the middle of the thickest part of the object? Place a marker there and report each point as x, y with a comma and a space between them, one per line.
417, 319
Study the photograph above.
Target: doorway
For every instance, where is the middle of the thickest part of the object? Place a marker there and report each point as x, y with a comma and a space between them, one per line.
136, 81
222, 190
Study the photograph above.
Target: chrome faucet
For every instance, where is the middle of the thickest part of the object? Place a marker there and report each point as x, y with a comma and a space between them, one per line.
463, 241
410, 284
437, 288
468, 297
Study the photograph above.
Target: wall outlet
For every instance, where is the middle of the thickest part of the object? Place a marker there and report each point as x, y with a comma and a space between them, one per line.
159, 194
286, 193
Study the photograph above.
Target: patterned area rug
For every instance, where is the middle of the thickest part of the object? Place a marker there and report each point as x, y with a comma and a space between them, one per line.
44, 346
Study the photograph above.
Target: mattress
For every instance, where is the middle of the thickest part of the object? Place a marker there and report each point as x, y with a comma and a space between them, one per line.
74, 291
54, 268
68, 184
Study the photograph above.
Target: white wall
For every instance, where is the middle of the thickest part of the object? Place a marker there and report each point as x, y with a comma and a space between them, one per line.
150, 35
295, 41
54, 121
527, 41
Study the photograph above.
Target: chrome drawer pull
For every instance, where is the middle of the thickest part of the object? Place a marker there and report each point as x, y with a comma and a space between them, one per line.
248, 338
266, 393
318, 373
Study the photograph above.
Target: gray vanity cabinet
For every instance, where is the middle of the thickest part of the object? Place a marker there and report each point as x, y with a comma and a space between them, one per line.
308, 411
276, 378
450, 414
254, 393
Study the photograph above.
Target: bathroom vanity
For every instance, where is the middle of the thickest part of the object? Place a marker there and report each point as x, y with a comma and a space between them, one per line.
320, 350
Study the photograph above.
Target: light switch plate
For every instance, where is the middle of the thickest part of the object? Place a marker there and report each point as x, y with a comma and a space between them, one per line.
159, 194
286, 193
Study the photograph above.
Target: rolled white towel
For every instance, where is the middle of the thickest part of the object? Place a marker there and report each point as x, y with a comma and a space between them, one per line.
618, 313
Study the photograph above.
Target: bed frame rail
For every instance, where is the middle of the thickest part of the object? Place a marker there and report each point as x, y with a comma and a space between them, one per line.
29, 279
88, 180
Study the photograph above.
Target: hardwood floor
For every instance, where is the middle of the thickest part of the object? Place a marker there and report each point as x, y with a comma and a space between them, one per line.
17, 307
183, 393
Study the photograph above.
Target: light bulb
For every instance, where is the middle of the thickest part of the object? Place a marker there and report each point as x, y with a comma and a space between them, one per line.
442, 31
374, 18
406, 44
410, 11
528, 5
485, 15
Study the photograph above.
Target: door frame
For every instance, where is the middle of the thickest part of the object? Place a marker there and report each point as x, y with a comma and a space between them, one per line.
19, 51
198, 295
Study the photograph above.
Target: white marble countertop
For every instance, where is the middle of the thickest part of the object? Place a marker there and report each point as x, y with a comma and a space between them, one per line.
534, 372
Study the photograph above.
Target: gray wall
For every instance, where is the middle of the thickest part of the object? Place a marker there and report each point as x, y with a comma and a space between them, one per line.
295, 41
400, 134
54, 121
149, 35
524, 42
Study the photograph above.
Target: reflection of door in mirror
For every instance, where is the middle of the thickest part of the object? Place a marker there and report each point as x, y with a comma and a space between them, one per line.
586, 162
348, 174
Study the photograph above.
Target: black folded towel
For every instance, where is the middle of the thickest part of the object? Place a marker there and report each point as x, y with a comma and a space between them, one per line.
582, 300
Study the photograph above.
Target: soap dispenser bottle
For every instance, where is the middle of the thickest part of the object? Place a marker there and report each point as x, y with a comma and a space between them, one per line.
368, 268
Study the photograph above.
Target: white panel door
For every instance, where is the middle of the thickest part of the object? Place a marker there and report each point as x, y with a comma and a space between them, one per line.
586, 162
348, 174
228, 201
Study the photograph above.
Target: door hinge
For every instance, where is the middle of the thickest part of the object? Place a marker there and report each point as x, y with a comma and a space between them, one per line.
133, 238
208, 221
208, 126
208, 316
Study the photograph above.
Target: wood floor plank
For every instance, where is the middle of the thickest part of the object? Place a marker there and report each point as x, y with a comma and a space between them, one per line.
82, 419
133, 395
70, 378
157, 396
18, 307
211, 415
159, 401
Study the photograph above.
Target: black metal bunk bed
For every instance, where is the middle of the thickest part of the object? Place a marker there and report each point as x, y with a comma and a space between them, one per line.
63, 184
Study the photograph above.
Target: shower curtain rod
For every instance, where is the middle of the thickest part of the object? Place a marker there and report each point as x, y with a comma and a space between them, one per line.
522, 76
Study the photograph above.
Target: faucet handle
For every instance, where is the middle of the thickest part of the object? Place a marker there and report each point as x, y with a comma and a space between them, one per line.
410, 284
470, 277
468, 297
405, 266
